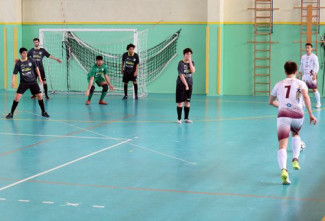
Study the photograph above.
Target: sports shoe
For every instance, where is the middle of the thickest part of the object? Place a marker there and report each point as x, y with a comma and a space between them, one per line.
188, 121
102, 102
44, 114
136, 97
125, 97
285, 177
179, 121
9, 116
295, 164
318, 105
87, 102
33, 97
302, 145
47, 97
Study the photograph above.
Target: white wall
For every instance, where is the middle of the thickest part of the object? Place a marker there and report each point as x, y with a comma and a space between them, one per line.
151, 11
115, 11
215, 10
10, 11
236, 11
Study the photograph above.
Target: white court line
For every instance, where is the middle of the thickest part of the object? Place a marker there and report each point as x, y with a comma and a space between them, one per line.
47, 202
90, 131
71, 125
24, 201
50, 135
51, 203
163, 154
97, 206
150, 150
72, 204
63, 165
157, 152
138, 146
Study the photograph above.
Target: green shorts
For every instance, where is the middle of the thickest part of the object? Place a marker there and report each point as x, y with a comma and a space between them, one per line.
99, 81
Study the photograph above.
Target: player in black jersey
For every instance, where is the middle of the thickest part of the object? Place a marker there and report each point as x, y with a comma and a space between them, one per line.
28, 70
130, 66
37, 55
184, 85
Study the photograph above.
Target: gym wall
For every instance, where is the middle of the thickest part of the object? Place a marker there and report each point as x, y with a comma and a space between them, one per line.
228, 19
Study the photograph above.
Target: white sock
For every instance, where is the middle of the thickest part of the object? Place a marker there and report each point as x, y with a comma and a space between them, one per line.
296, 143
282, 158
317, 96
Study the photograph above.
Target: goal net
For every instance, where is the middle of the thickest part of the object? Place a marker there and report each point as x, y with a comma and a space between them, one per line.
78, 48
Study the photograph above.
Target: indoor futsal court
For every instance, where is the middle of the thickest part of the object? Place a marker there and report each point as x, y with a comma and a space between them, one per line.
157, 110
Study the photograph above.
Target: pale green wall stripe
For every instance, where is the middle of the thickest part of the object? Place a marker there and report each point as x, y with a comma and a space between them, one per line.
237, 54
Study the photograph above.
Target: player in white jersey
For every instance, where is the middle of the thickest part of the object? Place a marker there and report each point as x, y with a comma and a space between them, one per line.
309, 67
287, 96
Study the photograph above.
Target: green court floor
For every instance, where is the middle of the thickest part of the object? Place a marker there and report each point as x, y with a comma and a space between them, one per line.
130, 160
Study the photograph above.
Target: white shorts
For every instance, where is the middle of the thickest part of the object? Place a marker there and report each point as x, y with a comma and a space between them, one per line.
287, 124
308, 79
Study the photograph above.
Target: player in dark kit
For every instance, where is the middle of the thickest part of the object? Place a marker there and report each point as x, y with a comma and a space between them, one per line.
184, 85
130, 66
95, 75
37, 55
28, 70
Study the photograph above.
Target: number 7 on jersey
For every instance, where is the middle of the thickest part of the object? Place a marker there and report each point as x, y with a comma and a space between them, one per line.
288, 90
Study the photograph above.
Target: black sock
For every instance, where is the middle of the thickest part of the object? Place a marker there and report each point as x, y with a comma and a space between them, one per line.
45, 89
41, 104
187, 111
92, 89
13, 107
125, 89
179, 113
135, 89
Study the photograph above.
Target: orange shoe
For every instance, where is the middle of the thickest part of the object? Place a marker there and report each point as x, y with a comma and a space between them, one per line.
87, 102
102, 102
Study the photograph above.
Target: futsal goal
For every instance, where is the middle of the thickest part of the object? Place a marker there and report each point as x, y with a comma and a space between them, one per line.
78, 49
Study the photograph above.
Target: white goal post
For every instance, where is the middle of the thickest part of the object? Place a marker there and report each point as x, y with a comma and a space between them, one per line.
77, 48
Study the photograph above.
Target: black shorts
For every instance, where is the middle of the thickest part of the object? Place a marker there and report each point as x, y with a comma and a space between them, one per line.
42, 74
182, 94
129, 77
33, 87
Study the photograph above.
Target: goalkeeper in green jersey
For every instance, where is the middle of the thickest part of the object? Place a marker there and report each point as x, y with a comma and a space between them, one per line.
95, 75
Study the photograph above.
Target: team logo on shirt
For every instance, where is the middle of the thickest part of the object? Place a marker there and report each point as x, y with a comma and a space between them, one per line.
289, 105
134, 59
29, 64
40, 53
129, 64
298, 94
186, 69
